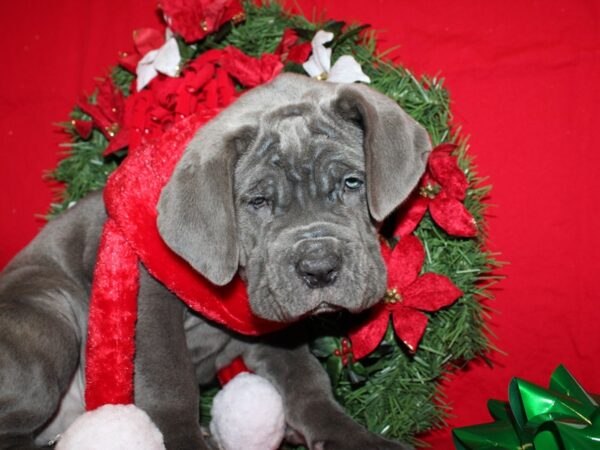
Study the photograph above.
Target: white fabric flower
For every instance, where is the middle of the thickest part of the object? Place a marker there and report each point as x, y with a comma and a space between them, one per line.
165, 60
345, 70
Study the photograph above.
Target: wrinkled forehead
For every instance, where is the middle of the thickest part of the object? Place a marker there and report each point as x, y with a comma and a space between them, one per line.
298, 141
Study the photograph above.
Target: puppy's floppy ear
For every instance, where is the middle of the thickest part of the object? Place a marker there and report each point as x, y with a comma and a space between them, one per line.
196, 216
396, 146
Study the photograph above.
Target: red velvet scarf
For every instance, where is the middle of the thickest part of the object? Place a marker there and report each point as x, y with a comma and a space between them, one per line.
131, 237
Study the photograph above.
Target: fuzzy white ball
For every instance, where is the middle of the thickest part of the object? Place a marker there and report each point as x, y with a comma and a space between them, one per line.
248, 414
112, 427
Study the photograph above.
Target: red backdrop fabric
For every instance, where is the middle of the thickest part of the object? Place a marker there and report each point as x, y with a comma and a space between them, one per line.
523, 77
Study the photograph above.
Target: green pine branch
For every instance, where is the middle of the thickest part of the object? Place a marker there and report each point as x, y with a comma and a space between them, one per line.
391, 391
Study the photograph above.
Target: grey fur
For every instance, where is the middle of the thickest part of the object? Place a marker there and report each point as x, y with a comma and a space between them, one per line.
271, 189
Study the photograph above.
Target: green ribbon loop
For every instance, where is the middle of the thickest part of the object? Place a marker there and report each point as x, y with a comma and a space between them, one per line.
562, 417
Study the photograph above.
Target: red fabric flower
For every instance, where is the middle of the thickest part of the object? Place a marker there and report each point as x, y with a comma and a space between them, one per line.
442, 190
194, 19
205, 84
290, 50
107, 114
407, 296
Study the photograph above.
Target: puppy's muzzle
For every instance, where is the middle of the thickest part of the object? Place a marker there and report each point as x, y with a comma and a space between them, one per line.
319, 262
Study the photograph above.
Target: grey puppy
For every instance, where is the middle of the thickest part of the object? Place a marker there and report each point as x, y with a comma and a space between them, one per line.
285, 187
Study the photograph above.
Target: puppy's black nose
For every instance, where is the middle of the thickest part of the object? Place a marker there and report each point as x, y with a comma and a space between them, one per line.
318, 270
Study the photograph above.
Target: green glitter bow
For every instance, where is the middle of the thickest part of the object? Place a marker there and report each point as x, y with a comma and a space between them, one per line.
563, 417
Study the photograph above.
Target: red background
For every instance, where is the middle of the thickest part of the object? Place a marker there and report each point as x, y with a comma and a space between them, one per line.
524, 80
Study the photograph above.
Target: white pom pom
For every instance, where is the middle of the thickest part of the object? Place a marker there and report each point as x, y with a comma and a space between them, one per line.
112, 427
248, 414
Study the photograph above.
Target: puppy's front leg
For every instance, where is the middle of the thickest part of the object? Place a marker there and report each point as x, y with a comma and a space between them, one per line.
40, 307
310, 407
165, 380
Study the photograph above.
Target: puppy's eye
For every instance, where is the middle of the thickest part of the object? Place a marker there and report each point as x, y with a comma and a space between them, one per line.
353, 183
258, 202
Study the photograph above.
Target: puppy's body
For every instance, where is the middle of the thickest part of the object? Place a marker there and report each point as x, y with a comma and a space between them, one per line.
50, 373
283, 188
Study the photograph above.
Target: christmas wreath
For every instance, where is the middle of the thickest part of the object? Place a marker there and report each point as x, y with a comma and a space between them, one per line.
385, 364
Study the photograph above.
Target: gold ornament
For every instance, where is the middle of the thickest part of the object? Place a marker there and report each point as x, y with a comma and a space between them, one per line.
429, 191
392, 296
113, 129
239, 17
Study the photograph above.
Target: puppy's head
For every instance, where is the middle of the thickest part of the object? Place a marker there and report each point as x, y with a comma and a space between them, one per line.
286, 185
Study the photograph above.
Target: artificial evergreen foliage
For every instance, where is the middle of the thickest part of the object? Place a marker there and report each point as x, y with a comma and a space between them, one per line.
391, 391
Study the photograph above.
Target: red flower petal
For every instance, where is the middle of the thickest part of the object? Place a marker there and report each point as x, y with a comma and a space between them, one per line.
165, 91
120, 141
251, 71
186, 102
288, 39
444, 168
410, 214
430, 292
209, 56
220, 11
405, 262
289, 51
225, 88
196, 79
410, 326
452, 216
110, 101
194, 19
211, 98
95, 113
137, 110
147, 39
368, 334
129, 61
299, 53
83, 128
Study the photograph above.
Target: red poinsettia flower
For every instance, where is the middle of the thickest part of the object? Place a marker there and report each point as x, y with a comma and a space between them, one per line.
407, 296
194, 19
290, 50
205, 84
442, 191
107, 114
